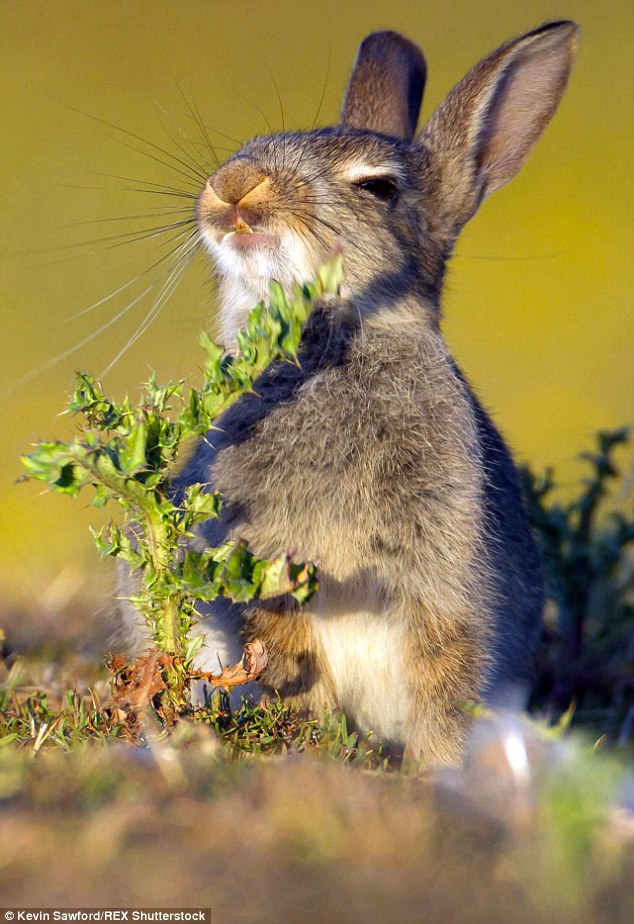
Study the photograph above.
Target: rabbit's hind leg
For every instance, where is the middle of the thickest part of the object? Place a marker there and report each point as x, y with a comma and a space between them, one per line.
445, 674
296, 671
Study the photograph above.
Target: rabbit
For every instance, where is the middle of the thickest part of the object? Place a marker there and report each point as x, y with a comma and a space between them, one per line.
372, 457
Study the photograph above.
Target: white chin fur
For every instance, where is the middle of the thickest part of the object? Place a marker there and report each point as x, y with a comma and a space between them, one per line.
244, 276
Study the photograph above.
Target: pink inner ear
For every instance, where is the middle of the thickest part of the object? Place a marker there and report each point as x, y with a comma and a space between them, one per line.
522, 106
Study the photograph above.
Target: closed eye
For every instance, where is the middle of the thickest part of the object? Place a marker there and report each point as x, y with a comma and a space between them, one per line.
381, 187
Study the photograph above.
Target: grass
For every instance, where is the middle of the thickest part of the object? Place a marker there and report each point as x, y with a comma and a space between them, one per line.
264, 816
34, 718
267, 818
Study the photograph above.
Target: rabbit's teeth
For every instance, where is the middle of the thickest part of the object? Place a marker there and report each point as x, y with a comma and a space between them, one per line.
241, 227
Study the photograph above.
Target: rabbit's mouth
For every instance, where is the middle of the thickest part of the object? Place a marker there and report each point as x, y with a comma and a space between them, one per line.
241, 249
246, 261
241, 254
248, 240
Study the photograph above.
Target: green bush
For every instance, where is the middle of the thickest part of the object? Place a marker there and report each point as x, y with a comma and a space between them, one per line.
587, 653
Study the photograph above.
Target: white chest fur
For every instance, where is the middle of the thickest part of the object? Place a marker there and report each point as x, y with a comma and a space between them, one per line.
363, 651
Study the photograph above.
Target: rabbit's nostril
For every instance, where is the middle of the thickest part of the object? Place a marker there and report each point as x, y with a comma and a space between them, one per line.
255, 194
221, 191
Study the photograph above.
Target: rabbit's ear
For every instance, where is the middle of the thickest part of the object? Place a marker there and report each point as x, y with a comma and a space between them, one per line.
386, 86
487, 126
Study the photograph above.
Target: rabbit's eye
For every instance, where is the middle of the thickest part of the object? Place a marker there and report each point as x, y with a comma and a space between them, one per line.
382, 187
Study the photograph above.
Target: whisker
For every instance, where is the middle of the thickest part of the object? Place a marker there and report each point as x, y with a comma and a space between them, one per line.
176, 231
182, 148
167, 290
536, 256
133, 237
306, 144
160, 192
263, 114
102, 301
150, 216
143, 236
107, 298
128, 237
306, 180
279, 100
215, 131
323, 91
79, 244
205, 134
195, 114
34, 373
154, 186
143, 140
321, 221
190, 174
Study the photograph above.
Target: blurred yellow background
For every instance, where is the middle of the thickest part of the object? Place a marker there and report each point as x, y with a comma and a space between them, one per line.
538, 305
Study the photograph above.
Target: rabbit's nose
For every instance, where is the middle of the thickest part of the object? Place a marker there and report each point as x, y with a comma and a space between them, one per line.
237, 181
237, 195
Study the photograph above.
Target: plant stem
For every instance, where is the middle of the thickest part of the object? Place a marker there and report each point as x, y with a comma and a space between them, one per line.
168, 623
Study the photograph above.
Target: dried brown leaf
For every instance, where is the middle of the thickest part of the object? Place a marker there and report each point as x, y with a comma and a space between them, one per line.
254, 661
136, 682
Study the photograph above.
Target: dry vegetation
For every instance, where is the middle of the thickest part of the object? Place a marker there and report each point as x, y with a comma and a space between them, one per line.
303, 825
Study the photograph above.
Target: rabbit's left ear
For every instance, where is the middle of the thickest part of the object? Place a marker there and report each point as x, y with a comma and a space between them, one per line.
484, 131
385, 89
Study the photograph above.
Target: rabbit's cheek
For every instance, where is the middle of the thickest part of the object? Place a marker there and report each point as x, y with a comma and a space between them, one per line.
301, 264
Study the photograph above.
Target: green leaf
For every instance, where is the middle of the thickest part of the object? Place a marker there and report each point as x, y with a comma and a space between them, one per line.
330, 275
59, 465
7, 739
199, 505
132, 456
282, 576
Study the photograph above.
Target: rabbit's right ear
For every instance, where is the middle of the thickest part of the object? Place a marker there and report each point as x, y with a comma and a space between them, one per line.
385, 89
487, 126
